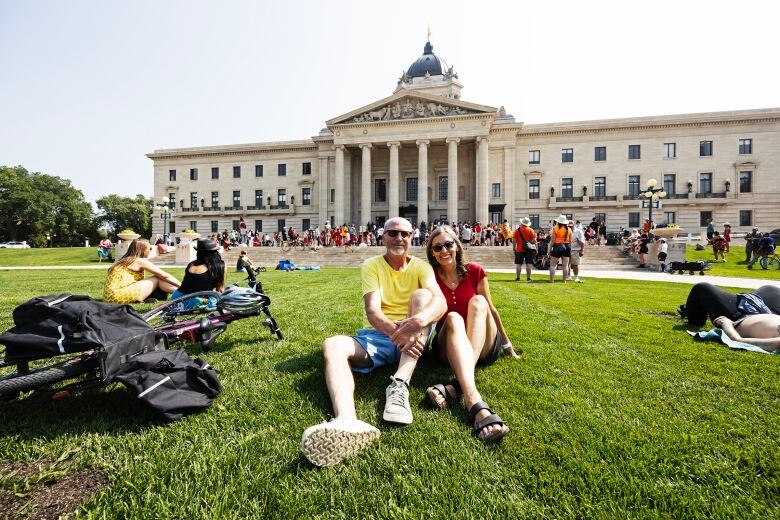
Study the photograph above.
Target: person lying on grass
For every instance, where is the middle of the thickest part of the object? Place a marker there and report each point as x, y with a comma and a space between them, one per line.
761, 330
470, 334
708, 301
402, 300
125, 282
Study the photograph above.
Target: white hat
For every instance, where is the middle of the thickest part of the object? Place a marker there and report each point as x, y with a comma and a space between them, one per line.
525, 221
562, 220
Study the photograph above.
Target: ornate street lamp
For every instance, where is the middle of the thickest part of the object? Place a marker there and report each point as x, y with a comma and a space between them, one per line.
653, 194
165, 215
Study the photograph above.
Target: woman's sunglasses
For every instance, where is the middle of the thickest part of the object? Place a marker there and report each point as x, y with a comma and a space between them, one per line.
395, 232
448, 245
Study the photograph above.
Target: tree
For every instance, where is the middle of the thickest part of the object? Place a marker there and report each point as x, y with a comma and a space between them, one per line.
118, 213
34, 206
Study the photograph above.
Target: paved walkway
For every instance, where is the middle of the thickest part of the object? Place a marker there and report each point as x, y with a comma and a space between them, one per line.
620, 274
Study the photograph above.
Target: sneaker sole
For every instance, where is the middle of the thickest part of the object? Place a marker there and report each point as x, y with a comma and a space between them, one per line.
398, 419
327, 447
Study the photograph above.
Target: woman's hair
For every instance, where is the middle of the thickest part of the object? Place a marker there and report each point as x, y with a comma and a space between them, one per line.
460, 264
215, 266
139, 248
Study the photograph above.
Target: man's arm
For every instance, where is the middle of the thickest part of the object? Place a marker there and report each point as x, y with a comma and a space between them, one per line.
373, 304
407, 333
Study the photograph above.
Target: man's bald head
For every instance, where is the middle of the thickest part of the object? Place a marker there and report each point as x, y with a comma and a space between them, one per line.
399, 223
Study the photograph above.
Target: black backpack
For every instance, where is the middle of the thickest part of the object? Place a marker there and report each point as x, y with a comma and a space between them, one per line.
170, 383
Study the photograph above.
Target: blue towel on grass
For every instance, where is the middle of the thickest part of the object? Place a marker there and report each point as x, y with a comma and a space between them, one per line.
718, 335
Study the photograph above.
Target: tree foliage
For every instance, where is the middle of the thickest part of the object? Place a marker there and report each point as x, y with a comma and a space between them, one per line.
118, 213
34, 206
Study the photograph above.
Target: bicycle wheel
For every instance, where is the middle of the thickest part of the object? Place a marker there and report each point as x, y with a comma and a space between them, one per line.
11, 385
764, 262
774, 262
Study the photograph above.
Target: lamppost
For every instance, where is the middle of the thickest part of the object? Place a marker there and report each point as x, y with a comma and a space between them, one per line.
653, 194
165, 215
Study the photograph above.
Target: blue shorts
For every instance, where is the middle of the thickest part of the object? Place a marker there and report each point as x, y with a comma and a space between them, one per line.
380, 349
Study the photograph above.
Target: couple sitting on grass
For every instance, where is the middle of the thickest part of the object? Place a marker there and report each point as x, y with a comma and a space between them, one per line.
752, 318
403, 298
126, 281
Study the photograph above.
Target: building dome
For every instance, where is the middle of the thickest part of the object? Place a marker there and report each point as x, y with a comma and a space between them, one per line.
427, 63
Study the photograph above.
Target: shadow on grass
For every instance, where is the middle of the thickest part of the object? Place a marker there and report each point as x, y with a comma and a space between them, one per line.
100, 412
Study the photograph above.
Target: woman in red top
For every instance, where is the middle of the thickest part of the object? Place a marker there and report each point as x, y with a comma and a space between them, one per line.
470, 334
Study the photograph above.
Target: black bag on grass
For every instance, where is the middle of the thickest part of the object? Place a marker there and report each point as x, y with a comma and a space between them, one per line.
52, 325
170, 383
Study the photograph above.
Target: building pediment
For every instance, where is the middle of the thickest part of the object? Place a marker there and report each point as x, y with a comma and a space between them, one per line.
405, 106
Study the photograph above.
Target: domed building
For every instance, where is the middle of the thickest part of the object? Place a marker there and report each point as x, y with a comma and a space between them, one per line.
426, 154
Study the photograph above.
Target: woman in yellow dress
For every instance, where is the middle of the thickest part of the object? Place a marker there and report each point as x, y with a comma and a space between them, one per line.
125, 282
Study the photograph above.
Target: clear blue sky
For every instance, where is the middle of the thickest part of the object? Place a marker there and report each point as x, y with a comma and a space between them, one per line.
89, 87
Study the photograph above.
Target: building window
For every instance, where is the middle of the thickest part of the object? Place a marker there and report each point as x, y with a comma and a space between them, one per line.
280, 224
171, 175
193, 199
281, 196
705, 148
306, 192
443, 188
258, 225
194, 225
236, 172
633, 219
567, 155
236, 198
533, 188
567, 187
634, 152
670, 184
332, 196
600, 153
633, 185
534, 156
306, 224
670, 150
745, 217
236, 225
705, 182
193, 174
214, 173
746, 182
215, 226
534, 218
306, 168
600, 217
214, 199
380, 190
670, 217
411, 188
172, 200
600, 187
745, 146
704, 218
258, 170
281, 169
258, 199
495, 190
171, 227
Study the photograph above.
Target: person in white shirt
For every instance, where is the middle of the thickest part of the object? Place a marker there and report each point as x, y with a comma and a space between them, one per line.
577, 250
466, 239
662, 254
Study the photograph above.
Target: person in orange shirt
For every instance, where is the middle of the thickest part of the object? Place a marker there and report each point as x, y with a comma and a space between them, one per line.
525, 248
560, 247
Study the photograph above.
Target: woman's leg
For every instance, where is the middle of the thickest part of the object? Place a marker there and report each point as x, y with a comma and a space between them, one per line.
165, 286
707, 301
147, 287
565, 262
480, 327
553, 267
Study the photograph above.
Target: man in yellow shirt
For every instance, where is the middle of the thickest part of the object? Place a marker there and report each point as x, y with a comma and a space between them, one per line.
402, 300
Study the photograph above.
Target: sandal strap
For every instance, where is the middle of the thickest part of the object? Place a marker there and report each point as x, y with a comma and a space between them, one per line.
487, 421
478, 407
442, 389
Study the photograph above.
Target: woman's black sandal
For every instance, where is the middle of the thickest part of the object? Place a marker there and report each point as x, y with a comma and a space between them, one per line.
487, 421
441, 389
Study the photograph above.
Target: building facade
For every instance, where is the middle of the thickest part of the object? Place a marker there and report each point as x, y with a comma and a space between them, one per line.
425, 154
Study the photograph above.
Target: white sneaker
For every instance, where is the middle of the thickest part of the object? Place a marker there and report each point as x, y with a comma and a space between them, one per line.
397, 409
577, 279
329, 443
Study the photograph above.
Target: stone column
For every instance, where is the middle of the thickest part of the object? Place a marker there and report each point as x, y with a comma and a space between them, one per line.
482, 187
365, 186
393, 181
338, 207
509, 183
323, 180
452, 179
422, 181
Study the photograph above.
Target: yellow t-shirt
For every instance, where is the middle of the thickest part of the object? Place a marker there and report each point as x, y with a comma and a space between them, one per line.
395, 287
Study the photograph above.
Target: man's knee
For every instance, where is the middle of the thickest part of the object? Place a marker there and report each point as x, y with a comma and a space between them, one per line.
337, 347
420, 298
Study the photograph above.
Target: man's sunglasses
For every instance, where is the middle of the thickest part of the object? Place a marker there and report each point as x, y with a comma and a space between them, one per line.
450, 244
395, 232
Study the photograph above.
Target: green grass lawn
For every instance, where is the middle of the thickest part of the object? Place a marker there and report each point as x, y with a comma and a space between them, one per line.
735, 264
615, 413
49, 256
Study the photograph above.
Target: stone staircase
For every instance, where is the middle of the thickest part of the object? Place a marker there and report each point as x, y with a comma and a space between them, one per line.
602, 258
